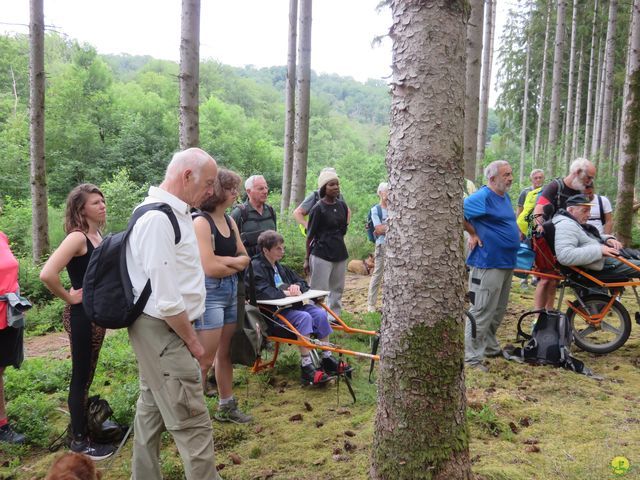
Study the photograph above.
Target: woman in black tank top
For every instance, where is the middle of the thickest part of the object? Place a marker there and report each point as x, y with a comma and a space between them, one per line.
85, 214
222, 255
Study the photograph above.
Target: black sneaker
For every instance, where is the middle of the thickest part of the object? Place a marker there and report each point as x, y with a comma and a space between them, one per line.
95, 451
333, 366
9, 435
311, 376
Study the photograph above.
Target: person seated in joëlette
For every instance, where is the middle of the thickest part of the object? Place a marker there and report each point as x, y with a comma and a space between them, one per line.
273, 281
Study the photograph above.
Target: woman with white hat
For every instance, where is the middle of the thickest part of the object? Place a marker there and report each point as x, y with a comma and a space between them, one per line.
326, 251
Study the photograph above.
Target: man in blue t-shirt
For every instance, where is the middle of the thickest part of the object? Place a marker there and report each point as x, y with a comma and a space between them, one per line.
494, 239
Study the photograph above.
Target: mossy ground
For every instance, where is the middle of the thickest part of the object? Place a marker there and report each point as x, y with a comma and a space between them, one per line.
525, 422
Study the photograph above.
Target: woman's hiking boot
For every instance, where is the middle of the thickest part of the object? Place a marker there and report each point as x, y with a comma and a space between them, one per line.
311, 376
229, 412
333, 366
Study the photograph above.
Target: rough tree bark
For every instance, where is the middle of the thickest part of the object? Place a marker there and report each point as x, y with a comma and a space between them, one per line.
630, 133
303, 80
290, 108
569, 111
40, 220
577, 111
556, 87
592, 65
485, 88
525, 106
543, 82
420, 425
472, 91
190, 74
607, 99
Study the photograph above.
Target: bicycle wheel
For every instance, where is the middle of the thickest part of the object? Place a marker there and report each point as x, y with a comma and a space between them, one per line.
612, 332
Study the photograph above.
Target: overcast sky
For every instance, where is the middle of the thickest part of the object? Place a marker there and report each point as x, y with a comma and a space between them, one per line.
236, 32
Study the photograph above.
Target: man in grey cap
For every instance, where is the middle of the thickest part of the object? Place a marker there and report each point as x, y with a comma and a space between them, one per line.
579, 244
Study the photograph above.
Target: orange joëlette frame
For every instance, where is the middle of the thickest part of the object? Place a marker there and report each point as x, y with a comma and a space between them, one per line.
337, 324
596, 318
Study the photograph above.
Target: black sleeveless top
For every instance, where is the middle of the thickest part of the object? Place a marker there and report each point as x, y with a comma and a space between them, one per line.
223, 246
77, 267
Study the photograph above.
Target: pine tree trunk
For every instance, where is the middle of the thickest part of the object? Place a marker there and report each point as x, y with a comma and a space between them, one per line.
420, 425
607, 100
190, 74
629, 150
39, 203
577, 111
569, 110
543, 82
556, 87
485, 91
613, 148
597, 120
472, 92
592, 66
290, 108
303, 92
525, 106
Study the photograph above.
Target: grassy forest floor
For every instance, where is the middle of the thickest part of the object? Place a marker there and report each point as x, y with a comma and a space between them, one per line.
526, 422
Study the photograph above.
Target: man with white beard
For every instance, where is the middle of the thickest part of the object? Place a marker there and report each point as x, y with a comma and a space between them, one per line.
554, 197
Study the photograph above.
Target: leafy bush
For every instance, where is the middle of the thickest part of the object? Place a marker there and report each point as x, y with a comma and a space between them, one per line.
122, 195
15, 222
46, 317
31, 413
30, 284
37, 375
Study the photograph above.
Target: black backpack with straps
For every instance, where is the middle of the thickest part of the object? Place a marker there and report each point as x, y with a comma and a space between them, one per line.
107, 292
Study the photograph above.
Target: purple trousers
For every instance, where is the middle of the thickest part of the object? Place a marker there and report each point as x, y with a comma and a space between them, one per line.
309, 319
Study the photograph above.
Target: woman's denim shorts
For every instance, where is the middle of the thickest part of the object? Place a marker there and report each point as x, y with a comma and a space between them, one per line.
221, 304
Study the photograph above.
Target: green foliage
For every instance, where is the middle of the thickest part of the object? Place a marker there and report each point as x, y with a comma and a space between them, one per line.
30, 284
487, 420
122, 195
45, 317
30, 413
37, 375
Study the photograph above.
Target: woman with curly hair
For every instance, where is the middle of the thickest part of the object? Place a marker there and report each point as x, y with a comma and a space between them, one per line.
222, 255
85, 214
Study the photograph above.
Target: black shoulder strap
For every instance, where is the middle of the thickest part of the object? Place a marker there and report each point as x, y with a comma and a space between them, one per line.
212, 225
163, 207
273, 213
244, 214
601, 209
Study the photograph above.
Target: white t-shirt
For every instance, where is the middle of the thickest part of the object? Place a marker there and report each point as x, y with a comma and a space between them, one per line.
594, 216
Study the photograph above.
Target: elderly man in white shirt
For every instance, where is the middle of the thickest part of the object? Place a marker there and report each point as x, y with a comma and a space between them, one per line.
162, 338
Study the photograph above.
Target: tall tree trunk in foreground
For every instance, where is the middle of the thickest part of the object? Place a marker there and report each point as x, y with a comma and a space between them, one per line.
556, 87
420, 425
542, 97
472, 92
630, 133
525, 106
607, 99
569, 112
190, 74
485, 88
303, 79
597, 118
577, 111
592, 66
290, 108
39, 220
